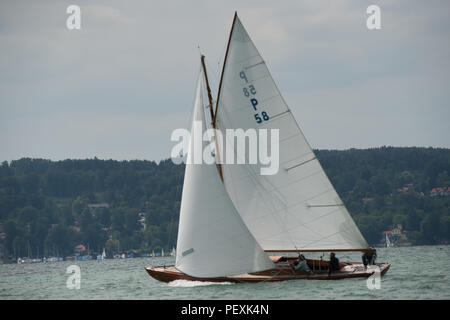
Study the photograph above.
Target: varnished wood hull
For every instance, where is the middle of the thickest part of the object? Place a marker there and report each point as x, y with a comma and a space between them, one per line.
282, 272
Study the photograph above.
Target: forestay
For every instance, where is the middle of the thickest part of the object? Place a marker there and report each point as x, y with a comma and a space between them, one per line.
297, 208
212, 238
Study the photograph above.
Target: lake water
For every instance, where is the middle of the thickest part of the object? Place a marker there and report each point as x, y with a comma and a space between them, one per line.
416, 273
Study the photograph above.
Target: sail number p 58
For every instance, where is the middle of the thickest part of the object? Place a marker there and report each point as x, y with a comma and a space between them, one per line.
250, 91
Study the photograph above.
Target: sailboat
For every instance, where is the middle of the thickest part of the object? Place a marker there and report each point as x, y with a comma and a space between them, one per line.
388, 242
233, 219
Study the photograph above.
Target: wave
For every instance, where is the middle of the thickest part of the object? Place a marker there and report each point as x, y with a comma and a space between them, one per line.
190, 283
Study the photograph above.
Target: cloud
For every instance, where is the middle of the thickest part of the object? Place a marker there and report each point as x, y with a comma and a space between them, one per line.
129, 74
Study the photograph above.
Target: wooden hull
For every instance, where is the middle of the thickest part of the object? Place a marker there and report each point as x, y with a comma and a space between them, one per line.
282, 272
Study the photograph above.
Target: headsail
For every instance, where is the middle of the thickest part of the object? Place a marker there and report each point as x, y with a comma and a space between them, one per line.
212, 238
297, 208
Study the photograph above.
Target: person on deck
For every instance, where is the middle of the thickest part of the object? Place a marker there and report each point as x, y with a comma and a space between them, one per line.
368, 258
334, 263
301, 264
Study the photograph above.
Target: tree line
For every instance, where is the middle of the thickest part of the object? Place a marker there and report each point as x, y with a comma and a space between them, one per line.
48, 207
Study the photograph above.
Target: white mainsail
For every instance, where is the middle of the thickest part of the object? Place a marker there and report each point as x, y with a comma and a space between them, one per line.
297, 208
212, 238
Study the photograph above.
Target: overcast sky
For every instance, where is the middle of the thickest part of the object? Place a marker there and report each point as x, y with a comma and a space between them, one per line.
118, 87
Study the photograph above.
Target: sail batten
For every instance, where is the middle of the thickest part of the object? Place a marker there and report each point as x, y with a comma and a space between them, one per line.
291, 209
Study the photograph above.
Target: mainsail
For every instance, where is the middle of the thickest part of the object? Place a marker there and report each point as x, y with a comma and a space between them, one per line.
212, 238
297, 209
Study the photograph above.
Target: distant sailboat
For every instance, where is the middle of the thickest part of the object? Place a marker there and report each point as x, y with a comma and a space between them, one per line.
173, 252
231, 217
388, 242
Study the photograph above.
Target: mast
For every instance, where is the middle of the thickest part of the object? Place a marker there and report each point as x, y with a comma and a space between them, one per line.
209, 91
213, 117
223, 67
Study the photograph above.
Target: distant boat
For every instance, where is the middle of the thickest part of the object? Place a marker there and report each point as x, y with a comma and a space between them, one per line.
162, 252
54, 259
231, 216
388, 242
103, 254
28, 260
173, 252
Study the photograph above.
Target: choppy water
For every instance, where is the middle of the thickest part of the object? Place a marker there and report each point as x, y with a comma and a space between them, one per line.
416, 273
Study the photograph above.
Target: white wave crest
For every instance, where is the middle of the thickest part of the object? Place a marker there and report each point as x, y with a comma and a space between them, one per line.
189, 283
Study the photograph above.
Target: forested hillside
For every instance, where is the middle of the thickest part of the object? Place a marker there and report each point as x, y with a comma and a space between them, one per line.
49, 207
387, 186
